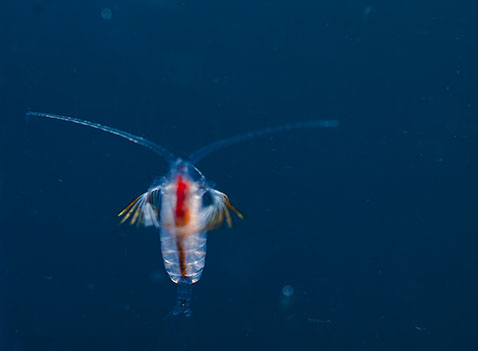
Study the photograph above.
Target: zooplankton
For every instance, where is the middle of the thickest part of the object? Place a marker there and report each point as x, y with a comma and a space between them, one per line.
174, 204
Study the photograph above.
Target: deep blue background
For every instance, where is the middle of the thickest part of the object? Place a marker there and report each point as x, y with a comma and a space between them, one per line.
373, 224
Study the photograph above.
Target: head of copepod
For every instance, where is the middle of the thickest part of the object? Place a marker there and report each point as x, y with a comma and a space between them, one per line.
186, 170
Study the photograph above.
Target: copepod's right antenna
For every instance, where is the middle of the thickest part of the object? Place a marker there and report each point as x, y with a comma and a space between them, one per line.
161, 151
198, 155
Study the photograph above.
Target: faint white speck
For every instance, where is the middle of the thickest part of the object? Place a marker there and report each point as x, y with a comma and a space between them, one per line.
368, 10
106, 13
156, 276
288, 290
422, 330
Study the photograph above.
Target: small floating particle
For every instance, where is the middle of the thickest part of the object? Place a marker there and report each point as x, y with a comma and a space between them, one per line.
368, 10
288, 290
421, 329
106, 13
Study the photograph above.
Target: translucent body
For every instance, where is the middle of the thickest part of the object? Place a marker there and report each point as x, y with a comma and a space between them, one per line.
183, 245
175, 206
194, 247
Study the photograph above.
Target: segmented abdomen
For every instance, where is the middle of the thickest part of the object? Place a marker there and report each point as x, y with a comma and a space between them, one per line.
184, 257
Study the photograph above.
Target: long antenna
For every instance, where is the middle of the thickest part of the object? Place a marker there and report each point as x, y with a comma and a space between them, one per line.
206, 150
161, 151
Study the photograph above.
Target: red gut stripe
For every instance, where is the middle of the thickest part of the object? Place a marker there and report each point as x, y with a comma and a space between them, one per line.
182, 211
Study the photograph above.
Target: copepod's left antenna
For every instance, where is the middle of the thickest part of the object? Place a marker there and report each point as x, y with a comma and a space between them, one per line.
161, 151
198, 155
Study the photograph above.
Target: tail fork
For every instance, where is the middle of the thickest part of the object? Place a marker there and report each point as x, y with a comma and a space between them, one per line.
182, 309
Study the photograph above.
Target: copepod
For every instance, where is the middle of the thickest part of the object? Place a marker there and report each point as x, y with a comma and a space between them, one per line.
174, 204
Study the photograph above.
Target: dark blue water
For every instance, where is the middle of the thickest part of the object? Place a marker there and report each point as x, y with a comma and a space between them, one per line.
373, 224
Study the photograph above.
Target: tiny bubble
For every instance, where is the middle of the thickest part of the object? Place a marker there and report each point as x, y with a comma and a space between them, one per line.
106, 13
